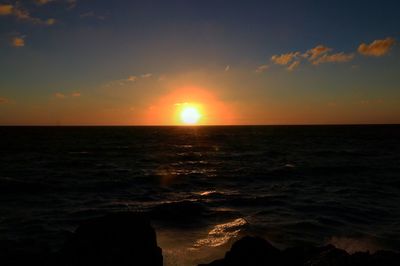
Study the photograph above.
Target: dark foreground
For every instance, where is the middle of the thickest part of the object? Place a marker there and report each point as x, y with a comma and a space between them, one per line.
128, 239
292, 185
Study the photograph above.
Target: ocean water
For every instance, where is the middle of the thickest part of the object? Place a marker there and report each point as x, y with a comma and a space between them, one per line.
204, 187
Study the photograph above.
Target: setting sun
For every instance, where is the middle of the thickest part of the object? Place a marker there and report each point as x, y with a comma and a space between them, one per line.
190, 115
189, 105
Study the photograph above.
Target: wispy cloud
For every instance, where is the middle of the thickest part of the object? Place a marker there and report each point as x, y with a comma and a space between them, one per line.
71, 3
43, 2
91, 14
318, 55
60, 95
147, 75
262, 68
126, 81
131, 78
317, 51
6, 9
227, 68
18, 41
285, 59
293, 65
23, 14
370, 102
333, 58
377, 48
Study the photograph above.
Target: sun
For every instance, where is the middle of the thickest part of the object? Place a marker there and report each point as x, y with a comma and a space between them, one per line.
190, 115
189, 106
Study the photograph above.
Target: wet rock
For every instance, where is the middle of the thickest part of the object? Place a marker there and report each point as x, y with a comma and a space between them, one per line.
254, 251
117, 239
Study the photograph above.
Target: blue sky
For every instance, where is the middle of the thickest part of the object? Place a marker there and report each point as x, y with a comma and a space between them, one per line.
62, 58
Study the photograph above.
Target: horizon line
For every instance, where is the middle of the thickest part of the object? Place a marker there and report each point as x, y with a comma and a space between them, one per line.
194, 126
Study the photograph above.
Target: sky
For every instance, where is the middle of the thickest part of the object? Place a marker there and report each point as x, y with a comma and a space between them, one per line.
127, 62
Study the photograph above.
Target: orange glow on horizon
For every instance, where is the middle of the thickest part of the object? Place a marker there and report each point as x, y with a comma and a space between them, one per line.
189, 106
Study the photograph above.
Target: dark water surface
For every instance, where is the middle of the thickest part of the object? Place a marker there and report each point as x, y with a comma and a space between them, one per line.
204, 186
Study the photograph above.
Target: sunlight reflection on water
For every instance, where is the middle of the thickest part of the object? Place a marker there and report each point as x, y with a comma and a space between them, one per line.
221, 234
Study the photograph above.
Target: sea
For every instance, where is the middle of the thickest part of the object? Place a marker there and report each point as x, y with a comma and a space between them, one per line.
206, 186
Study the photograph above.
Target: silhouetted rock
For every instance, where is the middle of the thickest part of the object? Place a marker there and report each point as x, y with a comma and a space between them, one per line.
296, 256
183, 213
250, 251
330, 257
387, 258
114, 240
27, 252
254, 251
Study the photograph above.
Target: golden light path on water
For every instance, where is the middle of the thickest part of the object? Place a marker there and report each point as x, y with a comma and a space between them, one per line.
192, 248
221, 234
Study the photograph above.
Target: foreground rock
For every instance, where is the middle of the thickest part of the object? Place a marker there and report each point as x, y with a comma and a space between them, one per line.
123, 239
118, 239
255, 251
27, 252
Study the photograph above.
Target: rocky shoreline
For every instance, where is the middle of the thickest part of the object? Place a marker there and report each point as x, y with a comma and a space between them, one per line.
127, 238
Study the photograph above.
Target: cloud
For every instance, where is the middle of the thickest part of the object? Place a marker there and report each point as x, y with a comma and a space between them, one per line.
71, 3
315, 52
4, 100
262, 68
284, 59
6, 9
370, 101
91, 14
318, 55
147, 75
22, 14
43, 2
376, 48
122, 82
293, 65
227, 68
333, 58
59, 95
18, 41
131, 78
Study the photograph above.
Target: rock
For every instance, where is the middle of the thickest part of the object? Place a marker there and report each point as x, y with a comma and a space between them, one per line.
181, 214
330, 257
361, 259
26, 252
298, 256
117, 239
255, 251
251, 251
387, 258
